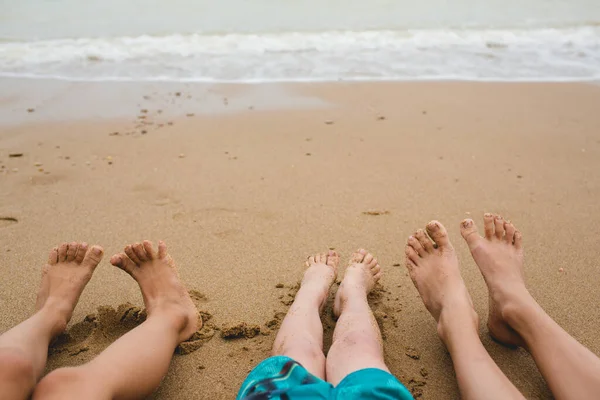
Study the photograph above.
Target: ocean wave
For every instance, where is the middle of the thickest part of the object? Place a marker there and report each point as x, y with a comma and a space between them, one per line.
526, 54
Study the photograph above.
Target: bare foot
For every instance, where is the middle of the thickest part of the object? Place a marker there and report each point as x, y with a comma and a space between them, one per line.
359, 279
70, 267
433, 268
499, 256
320, 275
163, 292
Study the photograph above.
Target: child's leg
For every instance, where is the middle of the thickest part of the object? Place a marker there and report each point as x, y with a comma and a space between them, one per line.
356, 340
133, 366
434, 271
301, 334
571, 370
24, 348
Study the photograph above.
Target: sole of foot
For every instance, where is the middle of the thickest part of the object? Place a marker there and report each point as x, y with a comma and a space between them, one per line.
433, 268
70, 267
362, 274
499, 256
319, 276
164, 294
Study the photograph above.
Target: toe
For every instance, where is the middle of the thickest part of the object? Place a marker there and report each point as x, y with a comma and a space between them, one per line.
139, 251
72, 251
499, 226
376, 269
438, 233
162, 249
53, 256
518, 240
411, 254
81, 250
509, 234
488, 225
368, 259
93, 257
377, 277
62, 252
310, 261
416, 245
122, 261
358, 256
469, 232
131, 254
333, 259
149, 249
373, 263
424, 240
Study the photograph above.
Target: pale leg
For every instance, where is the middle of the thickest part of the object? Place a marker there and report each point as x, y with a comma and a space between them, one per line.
301, 334
357, 340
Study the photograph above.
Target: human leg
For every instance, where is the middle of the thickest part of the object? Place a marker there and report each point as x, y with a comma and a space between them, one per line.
357, 340
433, 267
301, 334
133, 366
24, 348
516, 319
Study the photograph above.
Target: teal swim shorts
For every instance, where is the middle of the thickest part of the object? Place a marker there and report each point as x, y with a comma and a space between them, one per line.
283, 378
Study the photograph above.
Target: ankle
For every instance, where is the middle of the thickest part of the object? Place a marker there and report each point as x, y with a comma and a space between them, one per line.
172, 316
518, 310
457, 322
57, 314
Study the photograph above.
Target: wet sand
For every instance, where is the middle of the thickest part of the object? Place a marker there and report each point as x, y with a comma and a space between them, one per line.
244, 182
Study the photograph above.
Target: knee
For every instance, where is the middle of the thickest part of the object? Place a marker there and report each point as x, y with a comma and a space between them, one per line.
57, 384
358, 339
15, 366
305, 347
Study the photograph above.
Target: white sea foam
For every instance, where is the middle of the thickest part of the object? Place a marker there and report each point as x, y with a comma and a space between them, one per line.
468, 54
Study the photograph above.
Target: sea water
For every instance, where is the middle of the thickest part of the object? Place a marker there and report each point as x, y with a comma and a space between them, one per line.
300, 40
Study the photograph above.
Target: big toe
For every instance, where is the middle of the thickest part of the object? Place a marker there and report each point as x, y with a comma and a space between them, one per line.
93, 257
358, 256
333, 259
438, 233
123, 262
469, 232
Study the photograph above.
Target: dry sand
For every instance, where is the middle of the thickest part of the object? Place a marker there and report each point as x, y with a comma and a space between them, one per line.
262, 176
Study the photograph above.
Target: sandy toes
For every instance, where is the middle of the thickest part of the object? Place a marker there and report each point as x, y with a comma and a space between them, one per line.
362, 274
163, 292
433, 268
70, 267
499, 256
320, 275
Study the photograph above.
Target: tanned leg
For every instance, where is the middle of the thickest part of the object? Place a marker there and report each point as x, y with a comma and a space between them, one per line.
133, 366
24, 348
516, 319
433, 267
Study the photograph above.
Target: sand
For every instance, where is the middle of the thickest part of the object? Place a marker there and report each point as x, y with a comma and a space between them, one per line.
244, 182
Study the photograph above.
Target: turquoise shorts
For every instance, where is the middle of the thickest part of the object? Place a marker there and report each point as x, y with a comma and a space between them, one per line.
283, 378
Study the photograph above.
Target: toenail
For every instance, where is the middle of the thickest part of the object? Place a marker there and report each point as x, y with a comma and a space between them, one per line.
467, 223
